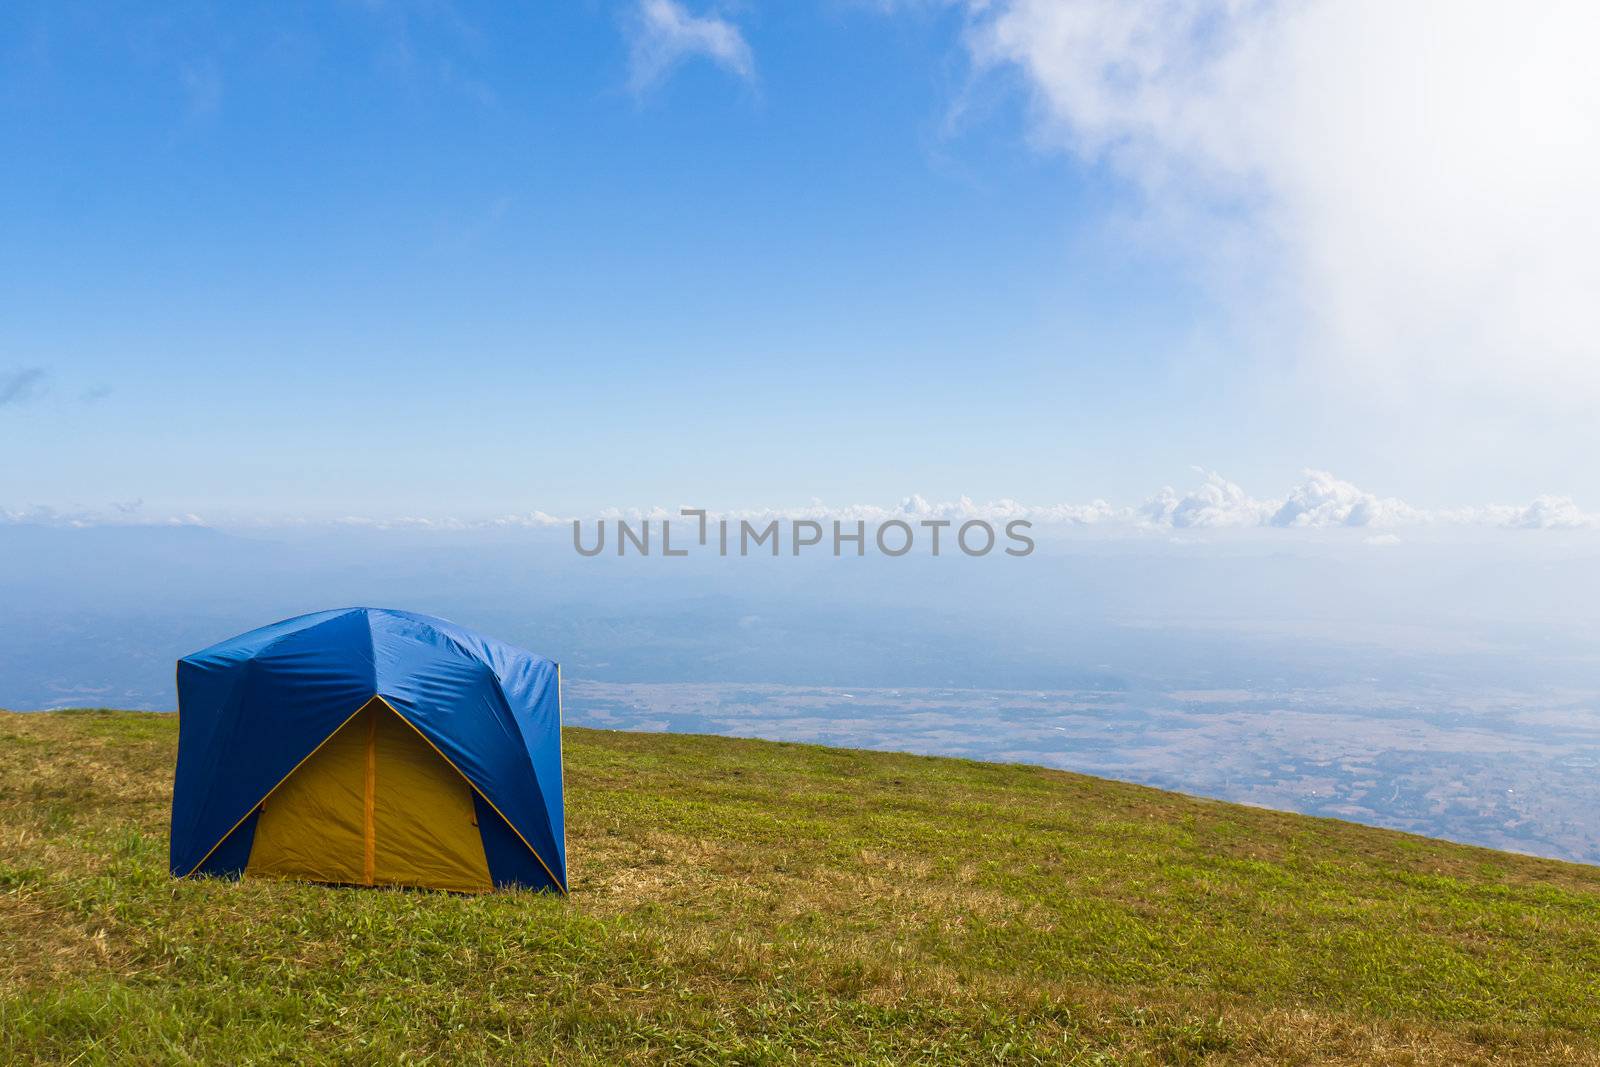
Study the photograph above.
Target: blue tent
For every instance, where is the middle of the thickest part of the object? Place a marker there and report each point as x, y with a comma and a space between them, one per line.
371, 747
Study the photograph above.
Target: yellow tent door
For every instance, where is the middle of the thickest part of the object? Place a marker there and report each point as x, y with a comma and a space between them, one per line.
375, 804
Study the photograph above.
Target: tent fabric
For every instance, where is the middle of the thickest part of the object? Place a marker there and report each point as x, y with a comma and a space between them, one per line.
374, 805
253, 710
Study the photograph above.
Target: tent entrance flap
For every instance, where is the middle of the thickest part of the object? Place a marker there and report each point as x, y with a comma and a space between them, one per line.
374, 805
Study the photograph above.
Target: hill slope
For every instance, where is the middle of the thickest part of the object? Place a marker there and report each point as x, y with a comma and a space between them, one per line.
754, 902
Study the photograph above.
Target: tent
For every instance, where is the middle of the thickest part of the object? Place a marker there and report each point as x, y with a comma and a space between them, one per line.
370, 747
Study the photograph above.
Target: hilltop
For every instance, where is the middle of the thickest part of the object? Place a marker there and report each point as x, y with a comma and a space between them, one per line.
752, 902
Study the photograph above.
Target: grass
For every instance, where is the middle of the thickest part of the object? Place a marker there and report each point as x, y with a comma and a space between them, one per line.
748, 902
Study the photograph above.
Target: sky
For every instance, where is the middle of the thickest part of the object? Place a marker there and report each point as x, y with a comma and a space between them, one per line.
303, 262
1276, 319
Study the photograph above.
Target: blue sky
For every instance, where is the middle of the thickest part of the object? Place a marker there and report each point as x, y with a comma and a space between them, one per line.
397, 259
347, 281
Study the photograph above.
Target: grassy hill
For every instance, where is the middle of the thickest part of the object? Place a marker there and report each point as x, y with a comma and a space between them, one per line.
750, 902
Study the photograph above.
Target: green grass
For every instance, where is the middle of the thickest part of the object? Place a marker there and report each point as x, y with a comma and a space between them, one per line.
748, 902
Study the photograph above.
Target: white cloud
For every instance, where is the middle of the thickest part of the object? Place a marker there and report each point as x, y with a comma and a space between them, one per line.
1216, 502
1323, 500
663, 34
1410, 186
1552, 513
530, 520
916, 508
123, 513
1544, 513
1319, 501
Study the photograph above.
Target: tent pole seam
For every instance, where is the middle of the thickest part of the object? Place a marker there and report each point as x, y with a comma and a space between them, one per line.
369, 837
474, 785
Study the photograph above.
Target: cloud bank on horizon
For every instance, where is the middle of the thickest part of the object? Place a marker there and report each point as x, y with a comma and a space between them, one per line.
1319, 501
